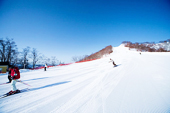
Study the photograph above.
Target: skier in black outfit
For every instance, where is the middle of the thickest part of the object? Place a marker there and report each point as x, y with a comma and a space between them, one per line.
9, 75
112, 62
45, 67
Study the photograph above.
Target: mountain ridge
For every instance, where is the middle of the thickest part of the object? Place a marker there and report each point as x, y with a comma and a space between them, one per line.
162, 46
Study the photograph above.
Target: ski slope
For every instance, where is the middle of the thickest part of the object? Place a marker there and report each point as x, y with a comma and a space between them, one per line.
139, 84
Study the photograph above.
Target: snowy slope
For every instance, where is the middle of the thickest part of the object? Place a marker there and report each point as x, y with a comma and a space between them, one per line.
139, 84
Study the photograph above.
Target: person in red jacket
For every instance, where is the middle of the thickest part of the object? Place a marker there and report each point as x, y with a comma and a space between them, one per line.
15, 75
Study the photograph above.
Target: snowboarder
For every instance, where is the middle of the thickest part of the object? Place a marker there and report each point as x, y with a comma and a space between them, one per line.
15, 75
45, 67
112, 62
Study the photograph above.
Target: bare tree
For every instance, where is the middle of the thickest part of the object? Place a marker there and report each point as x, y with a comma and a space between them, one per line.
54, 60
15, 58
75, 58
24, 59
79, 58
11, 50
60, 62
45, 60
8, 49
34, 56
2, 50
48, 61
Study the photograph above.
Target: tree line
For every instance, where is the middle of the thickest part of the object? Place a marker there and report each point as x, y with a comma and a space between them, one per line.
9, 53
147, 46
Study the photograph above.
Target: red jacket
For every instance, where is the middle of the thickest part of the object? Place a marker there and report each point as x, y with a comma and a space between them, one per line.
15, 73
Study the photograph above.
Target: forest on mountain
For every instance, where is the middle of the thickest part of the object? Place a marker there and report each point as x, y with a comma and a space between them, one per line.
162, 46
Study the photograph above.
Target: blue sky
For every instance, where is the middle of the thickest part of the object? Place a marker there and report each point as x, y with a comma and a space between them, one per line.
67, 28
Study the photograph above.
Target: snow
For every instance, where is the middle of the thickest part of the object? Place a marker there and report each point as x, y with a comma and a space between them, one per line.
139, 84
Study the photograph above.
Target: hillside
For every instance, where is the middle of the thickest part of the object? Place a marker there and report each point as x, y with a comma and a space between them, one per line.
105, 51
163, 46
139, 84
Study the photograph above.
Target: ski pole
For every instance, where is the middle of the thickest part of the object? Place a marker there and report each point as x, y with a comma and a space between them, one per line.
23, 83
4, 83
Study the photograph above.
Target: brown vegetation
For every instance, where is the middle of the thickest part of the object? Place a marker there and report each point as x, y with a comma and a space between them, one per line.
99, 54
143, 46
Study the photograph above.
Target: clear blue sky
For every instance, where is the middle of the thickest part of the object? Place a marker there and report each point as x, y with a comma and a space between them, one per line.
67, 28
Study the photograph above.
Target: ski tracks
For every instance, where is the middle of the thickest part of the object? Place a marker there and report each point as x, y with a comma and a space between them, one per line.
92, 97
83, 95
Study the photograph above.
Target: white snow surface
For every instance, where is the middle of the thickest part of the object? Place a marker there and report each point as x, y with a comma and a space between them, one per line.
139, 84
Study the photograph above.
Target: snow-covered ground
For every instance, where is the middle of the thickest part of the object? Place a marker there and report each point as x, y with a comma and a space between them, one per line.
139, 84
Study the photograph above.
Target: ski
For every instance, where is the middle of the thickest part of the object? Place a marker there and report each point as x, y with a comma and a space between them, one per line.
6, 95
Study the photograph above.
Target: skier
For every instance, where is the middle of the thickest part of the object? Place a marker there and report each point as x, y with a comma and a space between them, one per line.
112, 62
45, 67
15, 75
9, 75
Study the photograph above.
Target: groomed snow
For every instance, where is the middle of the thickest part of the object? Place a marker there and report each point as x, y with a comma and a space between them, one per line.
139, 84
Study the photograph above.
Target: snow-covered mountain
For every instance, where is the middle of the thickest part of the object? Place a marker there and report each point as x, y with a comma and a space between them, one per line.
139, 84
164, 45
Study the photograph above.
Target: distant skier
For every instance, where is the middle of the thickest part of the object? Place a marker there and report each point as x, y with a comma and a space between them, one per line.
112, 62
15, 75
45, 67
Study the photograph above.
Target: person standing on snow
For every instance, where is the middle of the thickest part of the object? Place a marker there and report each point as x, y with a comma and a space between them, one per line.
15, 75
45, 67
112, 62
9, 75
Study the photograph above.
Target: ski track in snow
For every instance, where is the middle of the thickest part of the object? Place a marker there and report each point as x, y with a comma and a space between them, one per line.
139, 84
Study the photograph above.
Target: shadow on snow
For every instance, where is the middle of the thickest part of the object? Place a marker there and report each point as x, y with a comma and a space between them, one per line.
50, 85
36, 79
117, 65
